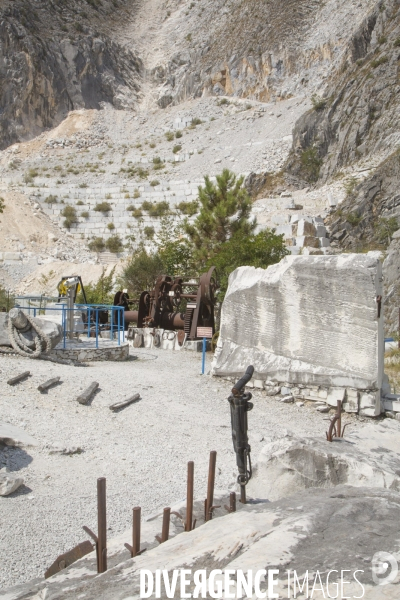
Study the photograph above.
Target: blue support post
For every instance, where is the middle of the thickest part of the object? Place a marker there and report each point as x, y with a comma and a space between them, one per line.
64, 325
112, 324
88, 323
119, 326
97, 328
203, 362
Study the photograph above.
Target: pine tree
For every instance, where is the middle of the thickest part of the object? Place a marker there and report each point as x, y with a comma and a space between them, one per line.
225, 211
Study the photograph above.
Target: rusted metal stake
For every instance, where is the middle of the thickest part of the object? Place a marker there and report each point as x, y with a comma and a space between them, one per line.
232, 502
165, 525
102, 526
243, 499
211, 482
189, 497
339, 420
135, 548
136, 531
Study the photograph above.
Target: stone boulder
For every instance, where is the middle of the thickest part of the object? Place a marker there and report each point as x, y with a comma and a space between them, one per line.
9, 482
53, 330
367, 456
309, 320
11, 435
318, 531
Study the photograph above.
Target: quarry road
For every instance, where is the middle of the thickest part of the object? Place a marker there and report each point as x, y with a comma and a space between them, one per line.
141, 450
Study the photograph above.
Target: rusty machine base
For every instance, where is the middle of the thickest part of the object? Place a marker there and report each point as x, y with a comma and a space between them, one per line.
175, 314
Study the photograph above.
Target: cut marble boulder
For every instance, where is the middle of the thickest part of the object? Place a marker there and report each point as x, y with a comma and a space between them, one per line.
9, 482
369, 456
314, 531
309, 320
11, 435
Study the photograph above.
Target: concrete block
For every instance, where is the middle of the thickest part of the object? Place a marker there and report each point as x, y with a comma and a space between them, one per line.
324, 242
320, 231
305, 228
335, 394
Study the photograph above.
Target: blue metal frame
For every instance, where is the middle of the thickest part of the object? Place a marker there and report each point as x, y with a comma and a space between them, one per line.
116, 319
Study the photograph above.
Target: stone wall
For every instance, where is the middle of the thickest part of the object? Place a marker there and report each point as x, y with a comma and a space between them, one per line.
309, 323
88, 353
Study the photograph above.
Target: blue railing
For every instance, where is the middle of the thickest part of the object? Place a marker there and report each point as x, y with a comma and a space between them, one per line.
92, 324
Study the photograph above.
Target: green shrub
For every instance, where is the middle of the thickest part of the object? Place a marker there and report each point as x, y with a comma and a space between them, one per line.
169, 135
79, 203
318, 103
137, 213
114, 244
51, 199
69, 213
127, 196
350, 185
385, 229
176, 148
2, 205
136, 194
149, 232
103, 207
154, 182
108, 196
379, 61
152, 145
311, 164
188, 208
397, 42
178, 134
83, 185
30, 175
353, 218
110, 226
97, 245
85, 214
131, 207
222, 102
142, 173
382, 39
195, 122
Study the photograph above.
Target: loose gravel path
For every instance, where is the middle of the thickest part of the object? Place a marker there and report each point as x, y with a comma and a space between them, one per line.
142, 450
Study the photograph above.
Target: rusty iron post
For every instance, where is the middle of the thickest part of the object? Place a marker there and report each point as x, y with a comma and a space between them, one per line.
135, 548
101, 525
232, 502
243, 498
165, 525
339, 420
136, 531
189, 496
211, 482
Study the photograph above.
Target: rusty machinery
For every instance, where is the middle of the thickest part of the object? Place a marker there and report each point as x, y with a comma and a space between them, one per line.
162, 307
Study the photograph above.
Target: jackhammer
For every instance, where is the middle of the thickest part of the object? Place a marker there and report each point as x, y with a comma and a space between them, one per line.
240, 405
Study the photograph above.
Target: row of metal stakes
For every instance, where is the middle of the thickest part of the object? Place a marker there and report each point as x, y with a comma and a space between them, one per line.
189, 524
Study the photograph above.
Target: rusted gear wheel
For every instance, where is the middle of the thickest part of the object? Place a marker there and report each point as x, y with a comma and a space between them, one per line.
176, 298
208, 286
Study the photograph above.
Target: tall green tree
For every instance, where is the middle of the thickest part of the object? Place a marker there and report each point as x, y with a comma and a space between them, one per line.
141, 272
100, 292
225, 211
255, 250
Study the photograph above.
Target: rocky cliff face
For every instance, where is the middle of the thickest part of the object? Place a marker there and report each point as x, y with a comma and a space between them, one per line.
357, 116
59, 56
255, 49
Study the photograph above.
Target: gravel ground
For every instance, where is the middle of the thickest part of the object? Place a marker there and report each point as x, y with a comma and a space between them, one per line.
142, 450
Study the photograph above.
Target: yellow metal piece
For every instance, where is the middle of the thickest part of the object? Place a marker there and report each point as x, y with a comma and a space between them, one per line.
62, 288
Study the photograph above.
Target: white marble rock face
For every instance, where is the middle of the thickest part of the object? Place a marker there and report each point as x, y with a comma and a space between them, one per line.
307, 320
